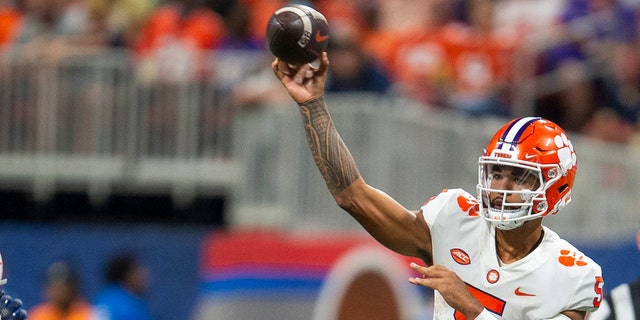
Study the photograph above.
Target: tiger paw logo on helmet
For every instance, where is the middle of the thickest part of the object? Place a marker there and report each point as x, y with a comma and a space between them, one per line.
566, 153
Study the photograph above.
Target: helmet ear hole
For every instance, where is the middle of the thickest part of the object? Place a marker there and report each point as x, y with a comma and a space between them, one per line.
562, 188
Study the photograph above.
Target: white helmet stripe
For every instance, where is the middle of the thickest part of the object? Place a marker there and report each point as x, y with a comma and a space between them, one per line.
512, 135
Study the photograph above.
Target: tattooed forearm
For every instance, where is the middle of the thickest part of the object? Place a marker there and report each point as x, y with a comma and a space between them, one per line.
329, 152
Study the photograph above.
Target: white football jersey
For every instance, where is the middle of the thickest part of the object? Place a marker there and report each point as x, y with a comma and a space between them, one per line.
555, 277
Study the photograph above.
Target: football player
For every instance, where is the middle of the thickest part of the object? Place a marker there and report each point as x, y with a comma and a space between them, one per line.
486, 256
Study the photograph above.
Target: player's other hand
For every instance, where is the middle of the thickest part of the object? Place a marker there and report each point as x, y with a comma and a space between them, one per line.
304, 82
11, 309
451, 287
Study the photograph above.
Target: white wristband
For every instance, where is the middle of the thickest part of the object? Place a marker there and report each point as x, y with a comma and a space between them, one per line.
485, 315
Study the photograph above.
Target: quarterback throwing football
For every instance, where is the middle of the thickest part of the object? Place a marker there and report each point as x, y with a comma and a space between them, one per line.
487, 256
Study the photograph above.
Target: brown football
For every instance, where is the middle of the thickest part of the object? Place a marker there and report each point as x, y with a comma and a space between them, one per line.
297, 34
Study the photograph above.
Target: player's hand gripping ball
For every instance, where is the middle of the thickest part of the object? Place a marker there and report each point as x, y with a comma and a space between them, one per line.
297, 34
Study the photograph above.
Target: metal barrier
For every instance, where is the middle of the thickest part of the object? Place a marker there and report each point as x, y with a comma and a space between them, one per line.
413, 153
90, 123
96, 122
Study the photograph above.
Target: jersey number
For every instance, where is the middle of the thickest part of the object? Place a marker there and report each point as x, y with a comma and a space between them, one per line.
598, 289
490, 302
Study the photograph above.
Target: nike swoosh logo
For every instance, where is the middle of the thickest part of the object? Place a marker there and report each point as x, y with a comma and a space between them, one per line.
523, 294
321, 38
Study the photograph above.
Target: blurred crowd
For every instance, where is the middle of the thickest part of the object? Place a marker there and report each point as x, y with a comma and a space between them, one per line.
576, 62
126, 280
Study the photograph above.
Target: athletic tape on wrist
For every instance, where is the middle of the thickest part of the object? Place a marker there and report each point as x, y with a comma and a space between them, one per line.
485, 315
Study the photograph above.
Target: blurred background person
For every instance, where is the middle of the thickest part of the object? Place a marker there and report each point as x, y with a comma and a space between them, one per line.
617, 115
173, 42
590, 38
481, 60
527, 19
10, 19
47, 26
616, 50
173, 58
420, 63
63, 297
351, 68
118, 23
127, 281
259, 12
238, 22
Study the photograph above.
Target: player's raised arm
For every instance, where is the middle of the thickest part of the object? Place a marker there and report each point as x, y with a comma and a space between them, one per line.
385, 219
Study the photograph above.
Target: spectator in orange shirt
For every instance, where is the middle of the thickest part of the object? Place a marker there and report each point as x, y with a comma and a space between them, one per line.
63, 300
380, 34
420, 65
173, 53
259, 12
174, 42
10, 20
481, 62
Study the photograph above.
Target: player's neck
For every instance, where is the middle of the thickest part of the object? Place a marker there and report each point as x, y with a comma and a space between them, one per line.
513, 245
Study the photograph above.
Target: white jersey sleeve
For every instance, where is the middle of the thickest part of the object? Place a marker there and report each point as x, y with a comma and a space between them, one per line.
555, 277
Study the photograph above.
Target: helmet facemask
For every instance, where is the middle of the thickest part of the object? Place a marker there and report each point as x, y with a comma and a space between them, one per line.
510, 191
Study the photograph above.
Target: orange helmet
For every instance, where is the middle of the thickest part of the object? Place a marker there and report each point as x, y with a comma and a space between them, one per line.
539, 156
